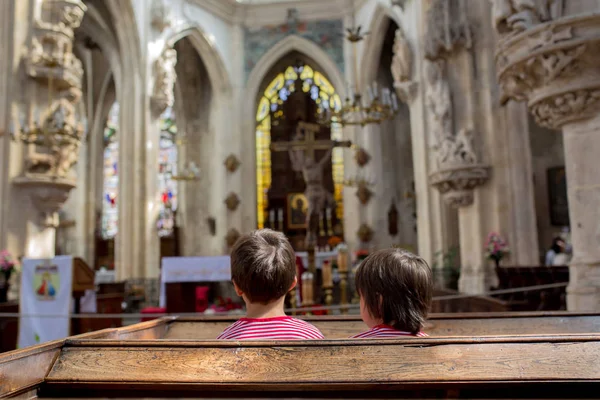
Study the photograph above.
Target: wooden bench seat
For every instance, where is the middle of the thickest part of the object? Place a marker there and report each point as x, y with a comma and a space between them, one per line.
155, 360
402, 368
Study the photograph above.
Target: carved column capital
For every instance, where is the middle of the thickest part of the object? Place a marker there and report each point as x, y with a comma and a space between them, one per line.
48, 195
554, 67
457, 184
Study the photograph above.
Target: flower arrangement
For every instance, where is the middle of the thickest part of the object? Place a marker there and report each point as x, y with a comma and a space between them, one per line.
495, 247
7, 263
334, 241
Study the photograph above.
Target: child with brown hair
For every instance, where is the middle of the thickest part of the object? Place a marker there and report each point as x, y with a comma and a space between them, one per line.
395, 289
263, 271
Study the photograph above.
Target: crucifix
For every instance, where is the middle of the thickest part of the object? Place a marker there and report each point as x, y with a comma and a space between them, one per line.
302, 153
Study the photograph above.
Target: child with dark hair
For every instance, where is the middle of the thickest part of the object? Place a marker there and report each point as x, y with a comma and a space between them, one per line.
263, 271
395, 289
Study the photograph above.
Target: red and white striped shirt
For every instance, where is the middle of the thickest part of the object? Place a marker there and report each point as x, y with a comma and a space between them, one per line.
276, 328
384, 331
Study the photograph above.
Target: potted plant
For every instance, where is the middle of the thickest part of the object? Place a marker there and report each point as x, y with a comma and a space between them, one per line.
7, 266
495, 248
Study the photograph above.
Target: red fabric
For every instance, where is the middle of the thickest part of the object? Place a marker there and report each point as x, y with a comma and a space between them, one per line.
152, 310
276, 328
201, 298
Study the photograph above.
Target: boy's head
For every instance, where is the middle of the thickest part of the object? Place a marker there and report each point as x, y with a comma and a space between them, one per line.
395, 288
263, 266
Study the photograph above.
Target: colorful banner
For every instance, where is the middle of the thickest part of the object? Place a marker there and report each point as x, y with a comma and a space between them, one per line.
45, 300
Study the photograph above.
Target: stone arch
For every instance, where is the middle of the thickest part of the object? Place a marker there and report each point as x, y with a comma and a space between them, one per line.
255, 80
217, 70
373, 43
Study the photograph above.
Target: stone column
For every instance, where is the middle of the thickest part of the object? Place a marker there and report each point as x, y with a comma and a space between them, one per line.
550, 60
458, 170
48, 124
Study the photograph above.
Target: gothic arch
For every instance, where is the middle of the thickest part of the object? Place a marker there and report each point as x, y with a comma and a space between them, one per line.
253, 84
373, 43
217, 70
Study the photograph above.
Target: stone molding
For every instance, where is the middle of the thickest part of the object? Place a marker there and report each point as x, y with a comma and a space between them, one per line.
457, 184
553, 66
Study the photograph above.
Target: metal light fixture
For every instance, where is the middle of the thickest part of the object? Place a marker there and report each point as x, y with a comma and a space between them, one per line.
379, 104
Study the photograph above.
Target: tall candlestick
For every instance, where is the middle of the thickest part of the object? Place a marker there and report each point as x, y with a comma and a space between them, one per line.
280, 218
321, 229
272, 218
326, 274
329, 222
342, 259
307, 289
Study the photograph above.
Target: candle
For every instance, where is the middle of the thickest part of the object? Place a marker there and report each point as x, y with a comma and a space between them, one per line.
326, 273
342, 259
280, 218
307, 288
272, 218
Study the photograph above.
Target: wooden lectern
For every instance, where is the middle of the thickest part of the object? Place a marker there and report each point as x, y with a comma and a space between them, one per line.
83, 279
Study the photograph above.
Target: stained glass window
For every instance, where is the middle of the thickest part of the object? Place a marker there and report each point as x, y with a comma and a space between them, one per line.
167, 168
269, 105
110, 213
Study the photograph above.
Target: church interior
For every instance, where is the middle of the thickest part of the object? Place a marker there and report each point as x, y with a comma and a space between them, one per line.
140, 139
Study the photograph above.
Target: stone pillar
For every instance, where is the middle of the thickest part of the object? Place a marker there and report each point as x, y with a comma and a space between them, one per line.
551, 61
47, 123
459, 170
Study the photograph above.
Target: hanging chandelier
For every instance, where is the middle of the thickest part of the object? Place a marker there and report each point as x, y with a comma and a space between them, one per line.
358, 109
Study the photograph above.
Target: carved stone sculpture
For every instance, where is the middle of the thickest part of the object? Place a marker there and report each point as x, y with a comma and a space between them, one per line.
51, 52
438, 101
447, 28
232, 201
164, 80
365, 233
232, 163
402, 60
513, 16
402, 68
362, 157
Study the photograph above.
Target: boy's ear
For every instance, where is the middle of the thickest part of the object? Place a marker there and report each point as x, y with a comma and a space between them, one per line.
238, 291
293, 285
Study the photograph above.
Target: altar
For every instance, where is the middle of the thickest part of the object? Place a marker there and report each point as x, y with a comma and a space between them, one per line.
192, 270
320, 257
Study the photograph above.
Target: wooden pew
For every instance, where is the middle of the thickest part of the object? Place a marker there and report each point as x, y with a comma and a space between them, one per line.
538, 300
554, 366
342, 327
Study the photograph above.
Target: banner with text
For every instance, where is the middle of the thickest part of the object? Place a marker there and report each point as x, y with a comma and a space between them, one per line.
193, 269
45, 300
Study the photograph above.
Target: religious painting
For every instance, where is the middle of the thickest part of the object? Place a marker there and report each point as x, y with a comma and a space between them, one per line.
297, 210
557, 193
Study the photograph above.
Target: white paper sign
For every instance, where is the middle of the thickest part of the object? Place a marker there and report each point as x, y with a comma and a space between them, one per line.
193, 269
45, 300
